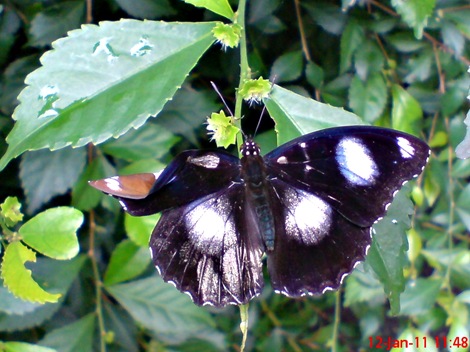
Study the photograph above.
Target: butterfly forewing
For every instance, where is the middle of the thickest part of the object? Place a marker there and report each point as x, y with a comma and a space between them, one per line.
355, 169
209, 249
190, 176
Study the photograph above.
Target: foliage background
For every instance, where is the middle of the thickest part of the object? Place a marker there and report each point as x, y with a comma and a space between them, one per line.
400, 64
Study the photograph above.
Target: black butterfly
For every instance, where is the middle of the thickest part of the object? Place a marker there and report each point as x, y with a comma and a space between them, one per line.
308, 204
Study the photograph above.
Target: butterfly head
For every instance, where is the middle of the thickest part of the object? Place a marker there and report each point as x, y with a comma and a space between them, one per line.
250, 148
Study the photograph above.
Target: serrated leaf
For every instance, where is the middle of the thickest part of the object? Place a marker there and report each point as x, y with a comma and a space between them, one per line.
121, 62
75, 337
18, 279
387, 254
127, 261
220, 7
23, 347
11, 211
158, 306
42, 183
296, 115
368, 99
415, 13
54, 232
139, 228
58, 278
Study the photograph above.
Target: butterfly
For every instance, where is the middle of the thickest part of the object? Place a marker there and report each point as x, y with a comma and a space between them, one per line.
309, 205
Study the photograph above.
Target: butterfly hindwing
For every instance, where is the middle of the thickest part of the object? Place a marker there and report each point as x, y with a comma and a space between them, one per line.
356, 169
209, 249
315, 246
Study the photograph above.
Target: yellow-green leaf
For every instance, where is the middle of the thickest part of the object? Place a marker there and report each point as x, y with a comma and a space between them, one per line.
11, 211
53, 232
220, 7
18, 279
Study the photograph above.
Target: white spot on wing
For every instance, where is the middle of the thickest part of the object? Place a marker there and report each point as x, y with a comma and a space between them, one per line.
406, 149
113, 184
355, 162
308, 218
282, 160
209, 161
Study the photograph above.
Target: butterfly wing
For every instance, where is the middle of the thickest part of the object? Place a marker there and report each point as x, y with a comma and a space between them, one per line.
315, 246
330, 187
356, 169
190, 176
210, 249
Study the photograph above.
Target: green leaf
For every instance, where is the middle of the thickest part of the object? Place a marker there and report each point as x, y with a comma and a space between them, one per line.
127, 261
57, 109
158, 306
351, 39
75, 337
368, 99
12, 305
148, 142
23, 347
42, 183
419, 296
296, 115
54, 232
463, 206
18, 279
147, 9
139, 228
415, 13
387, 254
314, 74
406, 112
368, 61
11, 211
56, 277
54, 22
287, 67
223, 131
220, 7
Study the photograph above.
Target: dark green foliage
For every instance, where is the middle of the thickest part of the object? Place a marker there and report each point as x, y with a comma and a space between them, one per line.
399, 64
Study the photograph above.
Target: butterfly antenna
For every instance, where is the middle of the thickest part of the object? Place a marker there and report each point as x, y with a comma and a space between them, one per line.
222, 98
260, 118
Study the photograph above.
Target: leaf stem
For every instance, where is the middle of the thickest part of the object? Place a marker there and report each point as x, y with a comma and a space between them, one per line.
245, 71
98, 283
337, 321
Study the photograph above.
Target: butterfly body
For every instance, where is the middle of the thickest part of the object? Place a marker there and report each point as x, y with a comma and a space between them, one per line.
308, 204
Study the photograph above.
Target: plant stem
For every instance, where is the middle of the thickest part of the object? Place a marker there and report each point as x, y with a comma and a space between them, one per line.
245, 71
